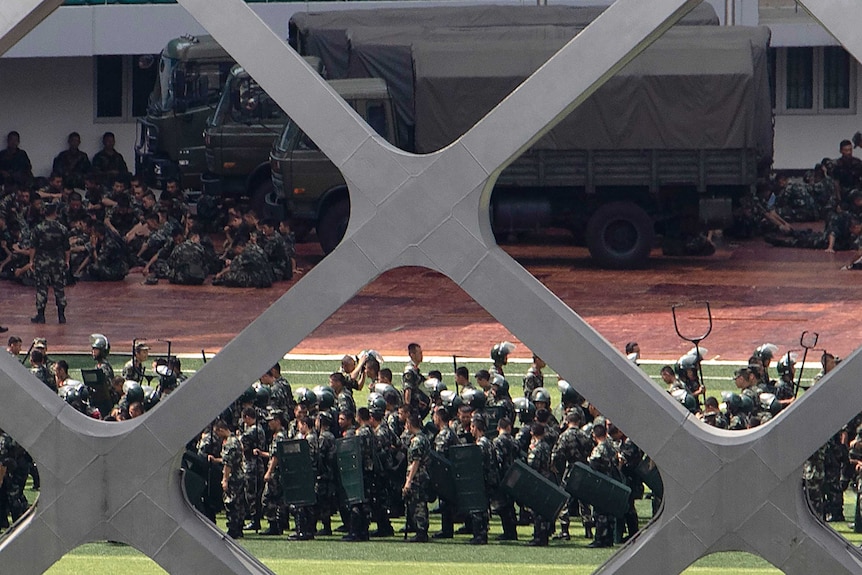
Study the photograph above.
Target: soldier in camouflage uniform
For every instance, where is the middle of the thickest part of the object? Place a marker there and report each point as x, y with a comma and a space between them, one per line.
444, 439
712, 415
253, 438
327, 470
343, 396
604, 459
14, 469
304, 515
274, 508
574, 445
795, 202
416, 483
101, 347
40, 369
49, 258
134, 369
107, 260
280, 394
360, 512
490, 476
508, 451
812, 477
233, 479
630, 457
248, 268
539, 458
188, 262
534, 377
386, 446
276, 250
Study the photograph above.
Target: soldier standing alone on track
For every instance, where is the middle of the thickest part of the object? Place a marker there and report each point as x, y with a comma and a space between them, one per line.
49, 258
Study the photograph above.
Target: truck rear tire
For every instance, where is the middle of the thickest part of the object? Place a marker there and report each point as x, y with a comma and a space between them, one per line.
620, 235
333, 224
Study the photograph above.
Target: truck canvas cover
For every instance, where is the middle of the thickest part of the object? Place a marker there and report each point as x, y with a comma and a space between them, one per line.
699, 86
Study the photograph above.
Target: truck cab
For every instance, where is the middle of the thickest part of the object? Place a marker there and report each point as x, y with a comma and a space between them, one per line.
192, 70
311, 188
238, 138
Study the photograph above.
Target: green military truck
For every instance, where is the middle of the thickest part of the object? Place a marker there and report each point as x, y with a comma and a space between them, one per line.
192, 71
238, 138
668, 145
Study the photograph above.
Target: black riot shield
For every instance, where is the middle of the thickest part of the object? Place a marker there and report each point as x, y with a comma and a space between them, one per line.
602, 492
530, 488
202, 481
468, 477
297, 472
442, 482
99, 388
647, 472
348, 453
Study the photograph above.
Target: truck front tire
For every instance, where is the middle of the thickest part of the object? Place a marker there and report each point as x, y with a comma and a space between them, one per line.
333, 224
620, 235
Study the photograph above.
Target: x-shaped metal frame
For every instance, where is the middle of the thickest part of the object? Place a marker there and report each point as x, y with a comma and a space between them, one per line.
723, 491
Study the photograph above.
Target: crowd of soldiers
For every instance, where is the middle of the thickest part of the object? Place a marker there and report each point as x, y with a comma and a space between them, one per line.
243, 459
96, 222
830, 193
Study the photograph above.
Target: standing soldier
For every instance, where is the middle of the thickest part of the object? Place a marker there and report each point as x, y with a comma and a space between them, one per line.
359, 512
490, 476
326, 472
539, 458
508, 451
630, 458
134, 369
386, 446
416, 484
49, 258
604, 459
534, 377
574, 445
444, 439
40, 370
253, 439
273, 499
232, 481
500, 356
101, 347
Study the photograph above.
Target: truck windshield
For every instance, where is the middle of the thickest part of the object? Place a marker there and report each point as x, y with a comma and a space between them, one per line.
182, 85
248, 104
291, 133
161, 98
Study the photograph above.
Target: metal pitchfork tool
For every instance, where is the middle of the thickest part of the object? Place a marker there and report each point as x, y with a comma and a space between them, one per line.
805, 340
695, 339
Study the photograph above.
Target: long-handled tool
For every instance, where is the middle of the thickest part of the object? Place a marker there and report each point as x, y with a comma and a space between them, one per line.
695, 339
807, 340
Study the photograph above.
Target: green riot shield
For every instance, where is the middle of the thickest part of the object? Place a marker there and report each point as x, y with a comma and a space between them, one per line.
647, 472
597, 489
468, 477
297, 472
530, 488
348, 453
442, 482
99, 388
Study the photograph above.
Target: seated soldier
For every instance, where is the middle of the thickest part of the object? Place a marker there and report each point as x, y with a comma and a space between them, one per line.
247, 268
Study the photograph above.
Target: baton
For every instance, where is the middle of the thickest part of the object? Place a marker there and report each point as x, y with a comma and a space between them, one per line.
455, 373
32, 345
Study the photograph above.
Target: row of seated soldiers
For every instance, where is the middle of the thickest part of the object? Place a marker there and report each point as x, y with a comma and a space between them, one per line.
127, 229
396, 442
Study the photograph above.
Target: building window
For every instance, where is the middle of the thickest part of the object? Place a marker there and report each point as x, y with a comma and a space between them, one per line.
123, 86
813, 80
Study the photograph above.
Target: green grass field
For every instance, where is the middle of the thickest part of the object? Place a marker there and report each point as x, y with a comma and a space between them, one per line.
327, 555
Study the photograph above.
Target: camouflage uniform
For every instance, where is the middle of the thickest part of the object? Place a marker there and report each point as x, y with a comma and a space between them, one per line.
109, 261
344, 401
274, 508
508, 450
253, 467
604, 459
360, 512
133, 371
234, 497
833, 495
386, 445
325, 481
17, 463
50, 240
532, 380
445, 439
573, 446
281, 397
275, 248
248, 269
107, 369
417, 497
716, 419
812, 476
796, 203
631, 456
187, 264
539, 458
491, 477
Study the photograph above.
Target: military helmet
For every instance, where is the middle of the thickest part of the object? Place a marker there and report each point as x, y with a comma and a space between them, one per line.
766, 351
501, 350
376, 405
525, 409
134, 393
786, 363
686, 399
325, 397
500, 382
411, 377
274, 413
541, 394
733, 401
475, 398
435, 387
248, 396
305, 396
451, 401
262, 396
770, 403
99, 341
569, 395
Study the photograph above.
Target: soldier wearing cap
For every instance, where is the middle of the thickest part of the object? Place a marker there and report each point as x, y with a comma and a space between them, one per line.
49, 259
327, 469
275, 509
133, 370
41, 343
